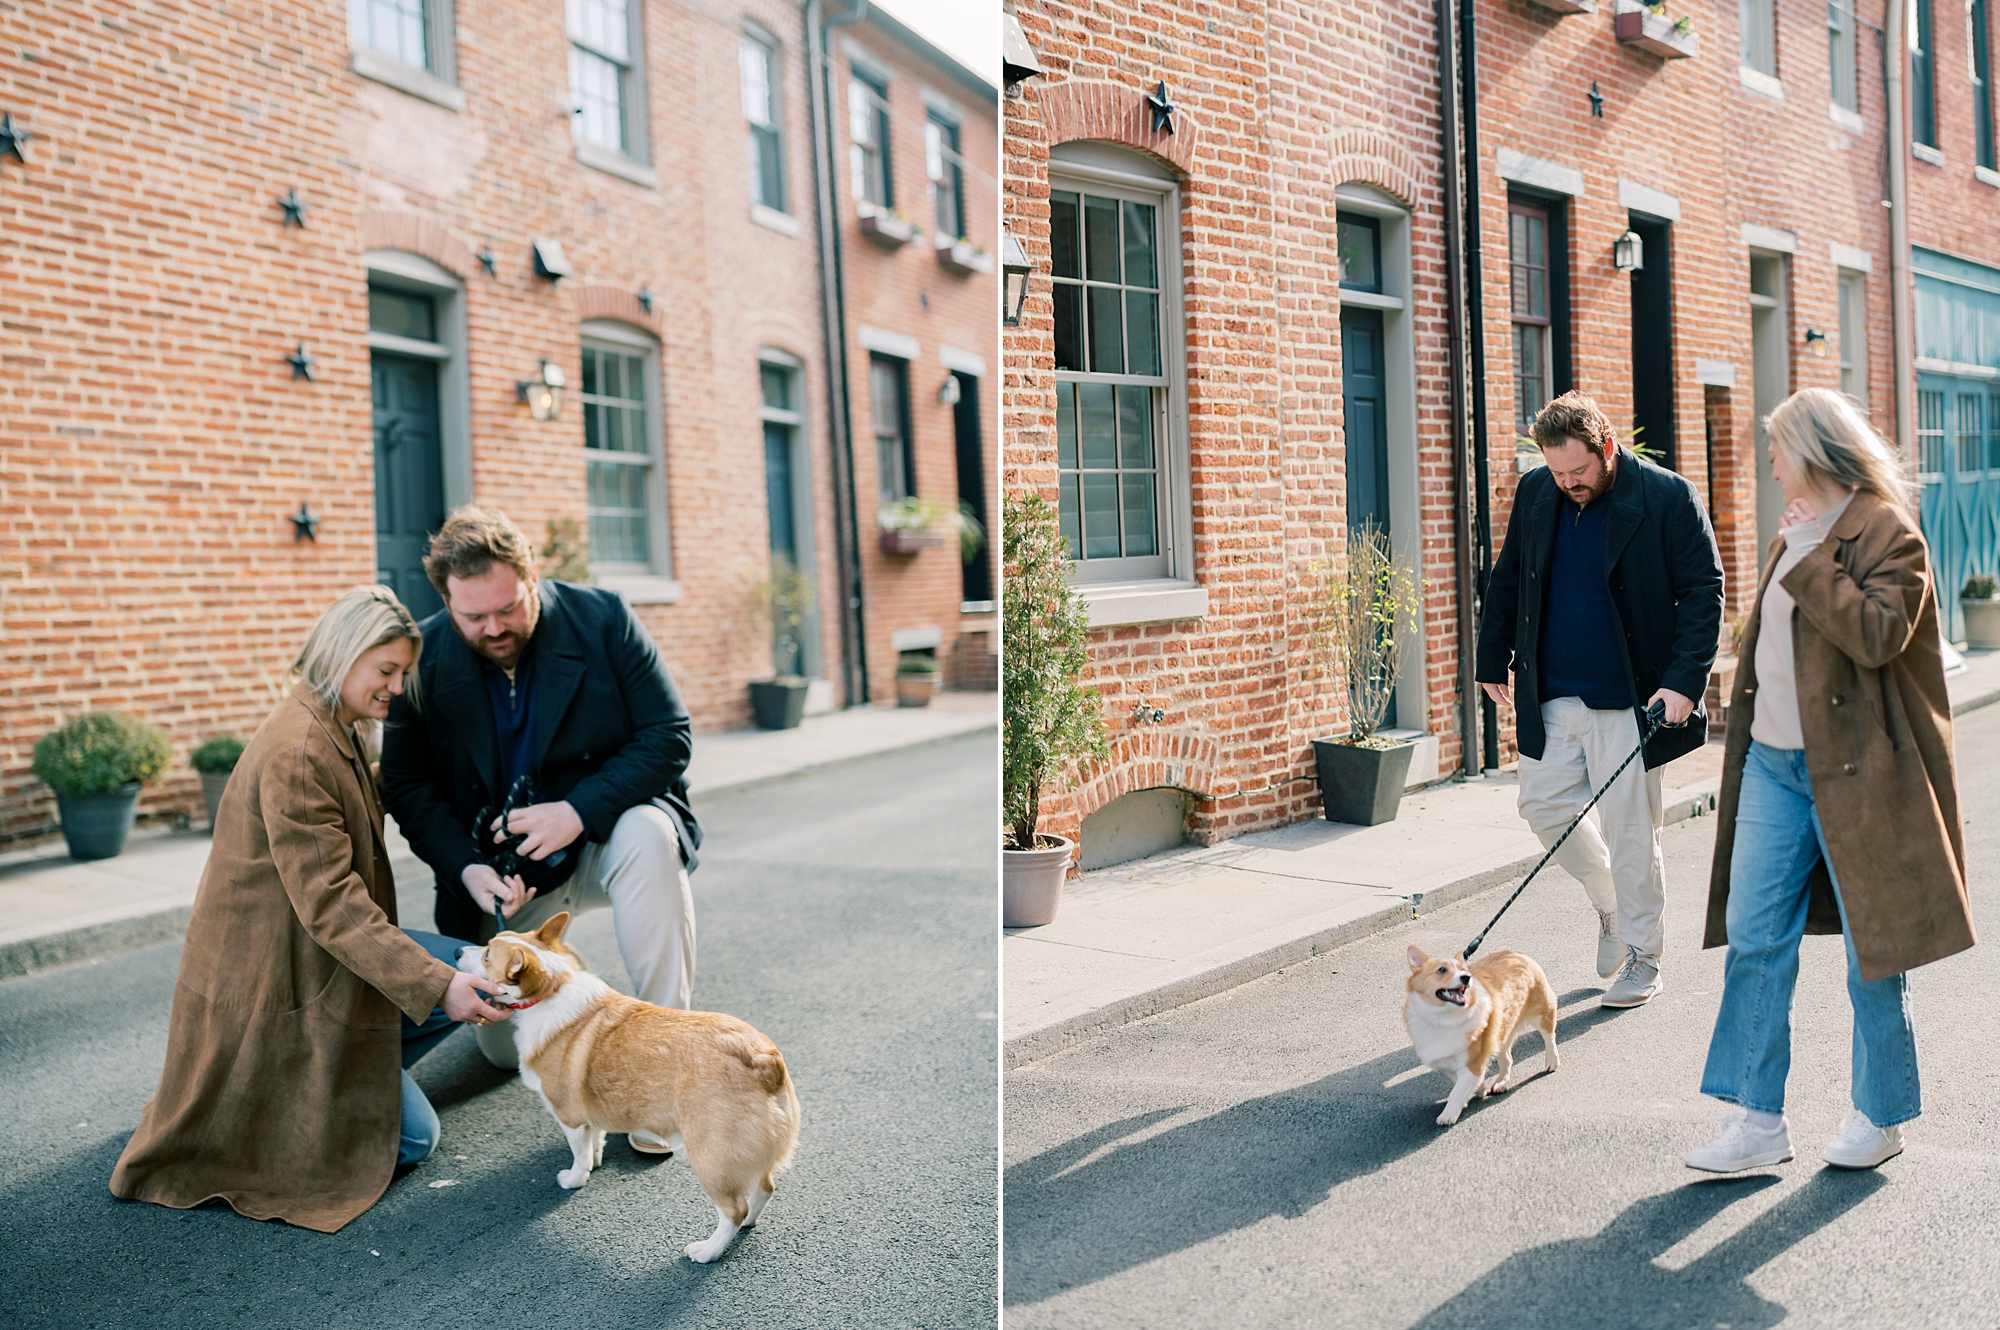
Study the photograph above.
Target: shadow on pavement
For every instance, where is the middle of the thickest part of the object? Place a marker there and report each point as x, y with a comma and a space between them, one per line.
1072, 1223
1610, 1279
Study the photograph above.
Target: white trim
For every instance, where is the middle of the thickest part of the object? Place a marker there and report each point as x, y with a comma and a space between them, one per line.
1715, 373
1533, 171
777, 355
872, 65
391, 72
901, 346
965, 362
1099, 175
1986, 175
413, 267
782, 222
1850, 121
407, 346
1924, 152
1357, 197
1757, 81
941, 106
1636, 197
1114, 161
641, 588
1773, 238
1847, 256
1371, 299
1762, 301
916, 639
1956, 369
1113, 604
617, 330
616, 163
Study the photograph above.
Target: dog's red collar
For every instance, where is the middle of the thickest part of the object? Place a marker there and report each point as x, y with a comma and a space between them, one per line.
520, 1006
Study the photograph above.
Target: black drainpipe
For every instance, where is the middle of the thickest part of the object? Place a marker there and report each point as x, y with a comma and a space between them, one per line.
1475, 299
833, 299
1461, 462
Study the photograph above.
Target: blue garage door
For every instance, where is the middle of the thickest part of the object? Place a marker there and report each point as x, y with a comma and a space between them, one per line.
1958, 420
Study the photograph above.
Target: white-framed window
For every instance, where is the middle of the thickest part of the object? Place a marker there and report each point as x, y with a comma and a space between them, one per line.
1979, 34
1923, 75
1853, 291
1757, 35
869, 176
1530, 310
788, 499
407, 44
624, 466
606, 77
1840, 28
889, 421
947, 174
757, 56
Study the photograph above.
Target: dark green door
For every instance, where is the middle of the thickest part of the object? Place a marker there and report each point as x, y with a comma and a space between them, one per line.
409, 476
1365, 416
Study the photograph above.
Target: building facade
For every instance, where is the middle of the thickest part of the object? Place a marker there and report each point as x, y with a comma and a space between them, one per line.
282, 288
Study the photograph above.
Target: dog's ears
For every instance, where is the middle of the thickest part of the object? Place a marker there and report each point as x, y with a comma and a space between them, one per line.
516, 958
1417, 958
1459, 956
551, 932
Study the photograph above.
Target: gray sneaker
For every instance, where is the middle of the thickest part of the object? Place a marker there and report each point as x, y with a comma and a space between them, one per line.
1610, 951
1638, 983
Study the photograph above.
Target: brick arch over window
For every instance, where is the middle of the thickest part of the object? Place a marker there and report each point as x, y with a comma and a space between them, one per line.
1362, 156
1146, 760
1115, 113
615, 302
416, 235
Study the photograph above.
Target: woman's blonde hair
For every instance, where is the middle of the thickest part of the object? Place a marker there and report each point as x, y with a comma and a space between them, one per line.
1826, 440
361, 620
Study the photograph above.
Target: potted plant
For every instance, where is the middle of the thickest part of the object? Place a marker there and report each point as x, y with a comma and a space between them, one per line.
96, 764
1049, 719
916, 677
1979, 602
1368, 610
885, 226
215, 760
959, 255
782, 600
911, 524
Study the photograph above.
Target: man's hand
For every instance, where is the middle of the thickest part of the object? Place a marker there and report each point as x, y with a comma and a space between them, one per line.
486, 886
1500, 693
548, 827
1678, 708
462, 1001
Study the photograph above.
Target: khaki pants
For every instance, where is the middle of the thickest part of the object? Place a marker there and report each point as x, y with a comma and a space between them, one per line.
1615, 854
639, 875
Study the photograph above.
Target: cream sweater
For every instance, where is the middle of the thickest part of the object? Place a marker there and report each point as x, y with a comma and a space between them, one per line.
1775, 720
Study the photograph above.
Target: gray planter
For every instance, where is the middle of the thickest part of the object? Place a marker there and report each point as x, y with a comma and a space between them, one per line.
96, 825
1362, 786
1031, 883
1982, 624
778, 704
213, 783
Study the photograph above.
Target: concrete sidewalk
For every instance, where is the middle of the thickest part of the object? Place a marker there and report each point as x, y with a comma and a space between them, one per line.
1139, 938
54, 910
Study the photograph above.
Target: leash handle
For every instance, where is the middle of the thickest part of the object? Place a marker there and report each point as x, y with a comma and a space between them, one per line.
1656, 720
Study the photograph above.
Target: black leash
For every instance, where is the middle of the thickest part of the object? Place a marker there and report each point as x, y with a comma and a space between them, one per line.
505, 860
1656, 720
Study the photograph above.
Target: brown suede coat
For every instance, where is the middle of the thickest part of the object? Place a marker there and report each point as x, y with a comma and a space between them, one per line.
281, 1093
1877, 726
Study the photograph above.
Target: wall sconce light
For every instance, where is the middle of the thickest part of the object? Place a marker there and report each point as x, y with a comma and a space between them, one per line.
1816, 343
1018, 61
949, 391
543, 393
1628, 252
1014, 268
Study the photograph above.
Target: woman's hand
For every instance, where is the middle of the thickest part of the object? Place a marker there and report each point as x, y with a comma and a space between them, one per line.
462, 1001
1797, 511
486, 886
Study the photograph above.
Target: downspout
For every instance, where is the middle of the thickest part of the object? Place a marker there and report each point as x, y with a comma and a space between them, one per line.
833, 302
1899, 231
1461, 462
1475, 299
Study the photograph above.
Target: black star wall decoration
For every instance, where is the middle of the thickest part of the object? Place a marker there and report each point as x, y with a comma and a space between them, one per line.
13, 142
301, 363
1163, 110
1596, 101
305, 524
295, 209
646, 299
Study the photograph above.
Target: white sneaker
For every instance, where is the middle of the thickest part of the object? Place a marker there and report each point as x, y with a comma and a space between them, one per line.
1610, 951
1742, 1146
1638, 983
1863, 1144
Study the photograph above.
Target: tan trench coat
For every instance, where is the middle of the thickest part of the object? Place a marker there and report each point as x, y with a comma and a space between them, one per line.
281, 1093
1877, 726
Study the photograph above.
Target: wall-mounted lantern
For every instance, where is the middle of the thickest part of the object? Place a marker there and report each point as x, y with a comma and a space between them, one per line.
1816, 343
544, 392
1014, 268
551, 263
1018, 61
1628, 252
949, 392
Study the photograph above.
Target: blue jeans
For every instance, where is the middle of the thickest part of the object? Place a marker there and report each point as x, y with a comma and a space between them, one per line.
1778, 840
420, 1121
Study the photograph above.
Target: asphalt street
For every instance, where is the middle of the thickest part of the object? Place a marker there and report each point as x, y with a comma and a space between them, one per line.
1268, 1157
850, 915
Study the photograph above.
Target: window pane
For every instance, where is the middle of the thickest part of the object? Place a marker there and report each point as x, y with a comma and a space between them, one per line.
1066, 426
1142, 323
1107, 342
1098, 424
1069, 327
1100, 515
1971, 433
754, 58
1538, 241
403, 314
597, 89
1930, 433
617, 512
1357, 254
393, 27
1100, 224
1140, 538
1993, 432
593, 425
602, 25
1135, 428
776, 382
589, 369
1064, 256
1070, 510
1139, 266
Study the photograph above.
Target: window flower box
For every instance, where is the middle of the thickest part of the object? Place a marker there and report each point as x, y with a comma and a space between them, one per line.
1653, 32
913, 524
887, 228
907, 540
1566, 6
963, 257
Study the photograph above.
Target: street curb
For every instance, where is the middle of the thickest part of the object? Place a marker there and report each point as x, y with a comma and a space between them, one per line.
812, 768
1697, 801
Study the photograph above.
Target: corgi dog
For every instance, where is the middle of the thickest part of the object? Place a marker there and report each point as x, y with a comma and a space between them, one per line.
711, 1086
1460, 1017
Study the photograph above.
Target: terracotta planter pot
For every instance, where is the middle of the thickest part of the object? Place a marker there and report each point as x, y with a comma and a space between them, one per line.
1361, 786
1031, 883
96, 825
213, 783
1982, 624
914, 690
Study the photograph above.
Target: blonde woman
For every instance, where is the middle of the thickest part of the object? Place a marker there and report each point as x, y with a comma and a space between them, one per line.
1839, 809
298, 994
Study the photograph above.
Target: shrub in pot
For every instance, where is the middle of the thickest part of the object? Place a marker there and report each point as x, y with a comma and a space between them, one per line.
96, 764
781, 605
215, 759
1367, 610
916, 677
1979, 603
1049, 720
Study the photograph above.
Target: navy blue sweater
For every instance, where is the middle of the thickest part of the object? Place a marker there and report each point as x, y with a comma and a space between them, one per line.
1579, 640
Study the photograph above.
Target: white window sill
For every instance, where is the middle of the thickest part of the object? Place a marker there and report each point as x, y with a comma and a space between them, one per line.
782, 222
1846, 119
1986, 175
616, 163
370, 64
1924, 152
1113, 604
641, 588
1757, 81
1370, 299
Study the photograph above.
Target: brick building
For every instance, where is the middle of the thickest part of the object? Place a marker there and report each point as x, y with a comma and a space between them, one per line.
1744, 151
630, 200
